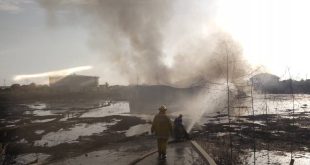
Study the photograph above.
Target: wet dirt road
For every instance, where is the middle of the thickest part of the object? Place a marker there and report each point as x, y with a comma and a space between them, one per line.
177, 154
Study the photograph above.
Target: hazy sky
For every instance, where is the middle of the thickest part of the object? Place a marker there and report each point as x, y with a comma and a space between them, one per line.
28, 45
273, 34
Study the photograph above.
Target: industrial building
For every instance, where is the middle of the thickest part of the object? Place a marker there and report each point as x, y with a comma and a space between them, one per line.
265, 81
74, 83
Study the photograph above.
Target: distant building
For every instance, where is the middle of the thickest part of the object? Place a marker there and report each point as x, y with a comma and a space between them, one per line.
73, 83
265, 81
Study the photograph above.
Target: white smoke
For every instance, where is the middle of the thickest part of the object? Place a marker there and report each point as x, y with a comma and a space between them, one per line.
155, 41
169, 42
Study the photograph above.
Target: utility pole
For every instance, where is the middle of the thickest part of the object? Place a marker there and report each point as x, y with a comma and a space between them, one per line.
228, 101
253, 124
293, 123
266, 108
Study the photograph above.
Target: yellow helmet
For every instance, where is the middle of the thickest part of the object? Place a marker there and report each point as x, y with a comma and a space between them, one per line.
162, 108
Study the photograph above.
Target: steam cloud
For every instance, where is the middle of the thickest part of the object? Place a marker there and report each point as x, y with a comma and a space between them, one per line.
169, 42
155, 41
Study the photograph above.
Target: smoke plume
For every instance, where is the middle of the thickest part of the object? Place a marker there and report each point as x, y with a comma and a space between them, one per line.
155, 41
168, 42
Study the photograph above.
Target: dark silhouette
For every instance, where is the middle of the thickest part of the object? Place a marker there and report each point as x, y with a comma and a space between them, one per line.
162, 127
179, 130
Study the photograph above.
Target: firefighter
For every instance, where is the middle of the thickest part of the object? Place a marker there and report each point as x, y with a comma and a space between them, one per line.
162, 128
179, 130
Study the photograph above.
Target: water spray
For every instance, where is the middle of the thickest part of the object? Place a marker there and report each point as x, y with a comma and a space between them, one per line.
207, 101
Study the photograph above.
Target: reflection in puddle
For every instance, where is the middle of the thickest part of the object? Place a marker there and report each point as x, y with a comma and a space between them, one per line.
33, 158
13, 121
37, 106
43, 121
71, 135
278, 157
277, 104
64, 119
40, 113
138, 129
113, 109
23, 141
38, 132
148, 118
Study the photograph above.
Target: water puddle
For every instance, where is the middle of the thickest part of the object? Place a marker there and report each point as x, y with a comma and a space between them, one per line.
37, 106
43, 121
33, 158
40, 113
65, 118
148, 118
13, 121
138, 130
278, 157
23, 141
113, 109
72, 135
39, 132
277, 104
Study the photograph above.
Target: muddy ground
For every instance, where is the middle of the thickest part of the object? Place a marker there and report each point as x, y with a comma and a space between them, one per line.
273, 138
62, 132
52, 132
